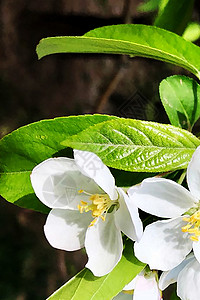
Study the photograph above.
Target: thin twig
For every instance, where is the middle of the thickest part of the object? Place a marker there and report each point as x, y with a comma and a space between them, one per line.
126, 14
109, 90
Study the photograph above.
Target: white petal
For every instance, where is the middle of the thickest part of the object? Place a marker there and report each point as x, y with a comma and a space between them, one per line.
127, 217
171, 276
188, 284
103, 245
123, 296
92, 166
163, 245
193, 174
56, 182
161, 197
131, 285
65, 229
146, 288
196, 249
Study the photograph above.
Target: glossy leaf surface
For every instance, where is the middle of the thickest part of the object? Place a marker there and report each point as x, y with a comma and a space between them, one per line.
180, 96
26, 147
130, 39
88, 287
134, 145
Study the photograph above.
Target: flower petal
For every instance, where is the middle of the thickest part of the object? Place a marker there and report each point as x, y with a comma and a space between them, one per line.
103, 245
56, 182
132, 283
92, 166
196, 249
65, 229
127, 217
146, 288
188, 286
123, 296
193, 174
171, 276
163, 245
161, 197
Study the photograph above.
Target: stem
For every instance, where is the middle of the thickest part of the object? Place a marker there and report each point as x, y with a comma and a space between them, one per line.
182, 177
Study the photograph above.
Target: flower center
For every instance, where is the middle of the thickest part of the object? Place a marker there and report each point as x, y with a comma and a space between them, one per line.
99, 204
193, 226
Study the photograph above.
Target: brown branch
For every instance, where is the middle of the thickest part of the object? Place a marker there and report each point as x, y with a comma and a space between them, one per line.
110, 89
126, 14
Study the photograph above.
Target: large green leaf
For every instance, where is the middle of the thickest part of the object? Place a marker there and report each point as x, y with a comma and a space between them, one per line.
174, 15
135, 145
180, 96
26, 147
134, 40
88, 287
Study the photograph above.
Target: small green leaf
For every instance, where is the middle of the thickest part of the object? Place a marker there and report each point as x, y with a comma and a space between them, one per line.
192, 32
134, 145
174, 15
88, 287
148, 6
180, 96
26, 147
130, 39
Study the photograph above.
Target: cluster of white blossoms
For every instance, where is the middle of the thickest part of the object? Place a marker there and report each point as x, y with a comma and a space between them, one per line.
88, 210
166, 245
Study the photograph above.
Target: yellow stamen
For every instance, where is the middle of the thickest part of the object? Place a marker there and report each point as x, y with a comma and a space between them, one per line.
194, 238
100, 204
83, 202
130, 292
93, 222
193, 226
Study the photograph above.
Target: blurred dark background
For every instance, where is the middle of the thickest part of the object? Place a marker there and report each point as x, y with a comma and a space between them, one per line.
62, 85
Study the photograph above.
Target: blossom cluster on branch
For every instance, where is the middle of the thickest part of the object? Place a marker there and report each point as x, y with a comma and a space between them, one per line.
88, 210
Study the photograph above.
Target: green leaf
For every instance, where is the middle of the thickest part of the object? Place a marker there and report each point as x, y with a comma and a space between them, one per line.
87, 287
148, 6
192, 32
134, 40
26, 147
134, 145
174, 15
180, 96
174, 295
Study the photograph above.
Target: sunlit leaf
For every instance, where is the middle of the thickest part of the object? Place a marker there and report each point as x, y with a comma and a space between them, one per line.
180, 96
130, 39
135, 145
192, 32
148, 6
174, 15
88, 287
26, 147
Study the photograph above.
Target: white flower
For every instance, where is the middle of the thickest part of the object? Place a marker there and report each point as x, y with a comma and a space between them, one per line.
166, 243
145, 286
187, 276
87, 209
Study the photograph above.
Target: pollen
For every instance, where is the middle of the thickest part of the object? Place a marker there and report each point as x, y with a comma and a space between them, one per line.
98, 204
193, 226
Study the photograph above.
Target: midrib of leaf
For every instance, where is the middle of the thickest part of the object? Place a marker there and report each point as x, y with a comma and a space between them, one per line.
183, 61
134, 146
78, 287
15, 172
